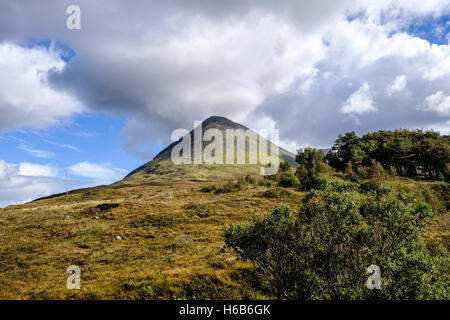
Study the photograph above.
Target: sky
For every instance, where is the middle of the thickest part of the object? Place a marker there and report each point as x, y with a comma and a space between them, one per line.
100, 101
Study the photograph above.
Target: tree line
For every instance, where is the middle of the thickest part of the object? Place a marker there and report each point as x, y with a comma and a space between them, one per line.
401, 152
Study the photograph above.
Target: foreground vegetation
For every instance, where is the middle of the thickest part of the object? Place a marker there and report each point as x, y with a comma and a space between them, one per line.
323, 252
356, 213
309, 232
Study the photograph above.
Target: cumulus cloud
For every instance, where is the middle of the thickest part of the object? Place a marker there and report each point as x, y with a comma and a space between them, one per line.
438, 103
27, 181
26, 96
398, 85
36, 170
359, 102
173, 62
97, 173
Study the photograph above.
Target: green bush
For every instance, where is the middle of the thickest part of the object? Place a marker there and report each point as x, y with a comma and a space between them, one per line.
284, 166
325, 252
289, 180
317, 182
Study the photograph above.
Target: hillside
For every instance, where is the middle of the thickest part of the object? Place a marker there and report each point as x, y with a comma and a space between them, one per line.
162, 164
160, 255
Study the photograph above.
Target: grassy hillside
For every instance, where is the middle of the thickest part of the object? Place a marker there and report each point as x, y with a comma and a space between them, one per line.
171, 247
157, 258
162, 167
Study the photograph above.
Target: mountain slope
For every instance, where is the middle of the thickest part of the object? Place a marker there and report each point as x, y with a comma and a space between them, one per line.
163, 167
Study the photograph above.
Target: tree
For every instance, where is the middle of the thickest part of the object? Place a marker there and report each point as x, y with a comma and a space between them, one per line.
376, 173
347, 148
311, 160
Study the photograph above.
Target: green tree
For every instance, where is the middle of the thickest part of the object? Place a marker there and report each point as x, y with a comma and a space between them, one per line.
311, 160
347, 148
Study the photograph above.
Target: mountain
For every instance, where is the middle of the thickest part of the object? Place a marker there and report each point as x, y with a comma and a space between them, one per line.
162, 167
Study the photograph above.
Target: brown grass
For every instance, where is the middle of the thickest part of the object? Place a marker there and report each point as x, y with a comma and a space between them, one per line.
39, 240
159, 256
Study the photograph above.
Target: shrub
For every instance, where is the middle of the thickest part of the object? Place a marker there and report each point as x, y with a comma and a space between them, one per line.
210, 188
266, 183
376, 173
284, 166
301, 172
317, 181
289, 180
324, 254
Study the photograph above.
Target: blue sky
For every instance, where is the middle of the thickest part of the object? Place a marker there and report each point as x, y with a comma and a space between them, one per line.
93, 137
434, 29
103, 100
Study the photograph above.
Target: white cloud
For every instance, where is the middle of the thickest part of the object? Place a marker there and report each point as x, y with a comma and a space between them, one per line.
36, 152
438, 62
36, 170
359, 102
99, 173
438, 103
26, 97
398, 85
25, 182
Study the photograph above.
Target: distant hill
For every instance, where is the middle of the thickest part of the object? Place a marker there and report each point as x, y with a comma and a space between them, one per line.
163, 167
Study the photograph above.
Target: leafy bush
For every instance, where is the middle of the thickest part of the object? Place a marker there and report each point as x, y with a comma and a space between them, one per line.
324, 253
284, 166
289, 180
317, 181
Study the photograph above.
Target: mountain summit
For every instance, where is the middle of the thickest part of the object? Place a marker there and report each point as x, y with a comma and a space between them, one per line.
162, 166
